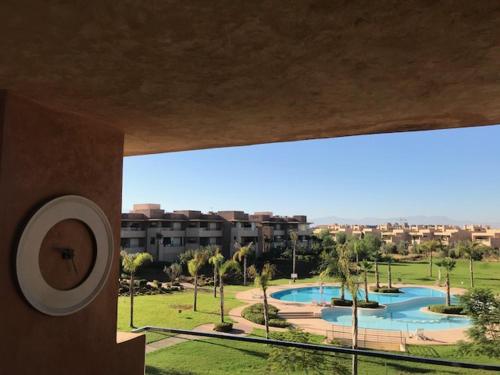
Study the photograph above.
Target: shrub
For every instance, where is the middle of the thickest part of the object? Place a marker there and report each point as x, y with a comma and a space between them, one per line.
280, 323
385, 289
258, 308
443, 309
223, 327
255, 313
253, 317
341, 302
368, 305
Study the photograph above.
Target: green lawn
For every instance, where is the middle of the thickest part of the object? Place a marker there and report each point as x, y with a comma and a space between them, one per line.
162, 310
487, 274
217, 356
213, 356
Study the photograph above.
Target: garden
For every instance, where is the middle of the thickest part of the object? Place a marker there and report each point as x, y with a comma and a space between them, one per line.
350, 263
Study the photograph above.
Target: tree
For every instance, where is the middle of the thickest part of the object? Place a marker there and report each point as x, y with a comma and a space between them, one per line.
131, 263
356, 245
471, 250
262, 280
194, 266
430, 247
448, 264
352, 283
483, 307
372, 244
294, 237
365, 267
287, 360
186, 256
224, 269
216, 261
174, 271
388, 249
329, 267
242, 255
341, 238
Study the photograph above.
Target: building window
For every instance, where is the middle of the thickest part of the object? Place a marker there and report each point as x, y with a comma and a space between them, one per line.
152, 241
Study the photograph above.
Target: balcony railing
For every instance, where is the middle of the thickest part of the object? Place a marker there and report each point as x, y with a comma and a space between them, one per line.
367, 359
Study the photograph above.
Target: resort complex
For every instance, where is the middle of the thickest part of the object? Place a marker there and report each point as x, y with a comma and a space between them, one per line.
417, 234
167, 234
304, 108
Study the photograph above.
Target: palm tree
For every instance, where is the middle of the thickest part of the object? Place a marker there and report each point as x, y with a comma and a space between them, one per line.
376, 257
330, 268
216, 261
365, 267
430, 247
294, 237
448, 264
356, 248
352, 283
242, 254
173, 271
131, 263
224, 269
470, 250
194, 266
388, 250
262, 280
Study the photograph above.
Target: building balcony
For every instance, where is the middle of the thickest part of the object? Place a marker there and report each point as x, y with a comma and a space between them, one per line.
167, 232
279, 232
203, 232
305, 232
245, 232
132, 233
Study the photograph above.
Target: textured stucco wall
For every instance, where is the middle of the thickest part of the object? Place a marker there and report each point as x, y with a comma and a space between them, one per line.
45, 154
180, 75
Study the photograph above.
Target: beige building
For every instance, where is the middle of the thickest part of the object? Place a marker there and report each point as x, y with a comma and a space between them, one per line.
395, 233
488, 237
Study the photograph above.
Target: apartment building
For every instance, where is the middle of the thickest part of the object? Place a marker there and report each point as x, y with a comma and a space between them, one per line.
167, 234
395, 233
488, 237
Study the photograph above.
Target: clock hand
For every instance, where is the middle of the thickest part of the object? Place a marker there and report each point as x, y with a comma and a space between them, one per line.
68, 254
74, 265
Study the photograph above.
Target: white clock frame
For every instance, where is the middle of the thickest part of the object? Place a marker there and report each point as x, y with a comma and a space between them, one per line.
37, 291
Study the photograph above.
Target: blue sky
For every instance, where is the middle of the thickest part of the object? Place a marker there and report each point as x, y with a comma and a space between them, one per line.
454, 173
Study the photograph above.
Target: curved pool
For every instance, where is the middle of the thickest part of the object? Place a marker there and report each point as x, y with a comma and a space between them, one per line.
402, 310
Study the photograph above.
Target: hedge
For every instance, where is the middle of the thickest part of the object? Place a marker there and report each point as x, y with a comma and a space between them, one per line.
341, 302
255, 313
443, 309
223, 327
385, 289
368, 305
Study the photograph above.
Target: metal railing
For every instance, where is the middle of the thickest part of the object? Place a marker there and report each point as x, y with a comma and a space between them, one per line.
325, 348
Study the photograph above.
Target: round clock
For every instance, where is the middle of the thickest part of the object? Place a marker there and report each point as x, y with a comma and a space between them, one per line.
64, 255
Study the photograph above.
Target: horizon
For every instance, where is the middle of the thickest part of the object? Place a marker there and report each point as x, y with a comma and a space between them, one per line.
445, 173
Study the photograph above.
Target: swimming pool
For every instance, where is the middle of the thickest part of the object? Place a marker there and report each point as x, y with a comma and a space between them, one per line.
402, 310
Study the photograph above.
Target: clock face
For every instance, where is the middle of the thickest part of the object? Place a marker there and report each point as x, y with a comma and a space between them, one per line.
67, 254
64, 255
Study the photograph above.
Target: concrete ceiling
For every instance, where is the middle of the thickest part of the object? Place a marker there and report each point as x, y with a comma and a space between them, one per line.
180, 75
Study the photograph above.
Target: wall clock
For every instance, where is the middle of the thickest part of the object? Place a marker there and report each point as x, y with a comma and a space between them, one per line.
64, 255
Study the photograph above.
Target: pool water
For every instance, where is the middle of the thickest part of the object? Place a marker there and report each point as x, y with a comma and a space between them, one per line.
402, 310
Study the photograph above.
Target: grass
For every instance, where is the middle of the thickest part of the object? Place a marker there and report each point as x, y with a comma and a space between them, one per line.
162, 310
218, 356
486, 274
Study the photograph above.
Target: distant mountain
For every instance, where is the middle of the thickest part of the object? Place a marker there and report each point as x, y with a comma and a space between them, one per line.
423, 220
